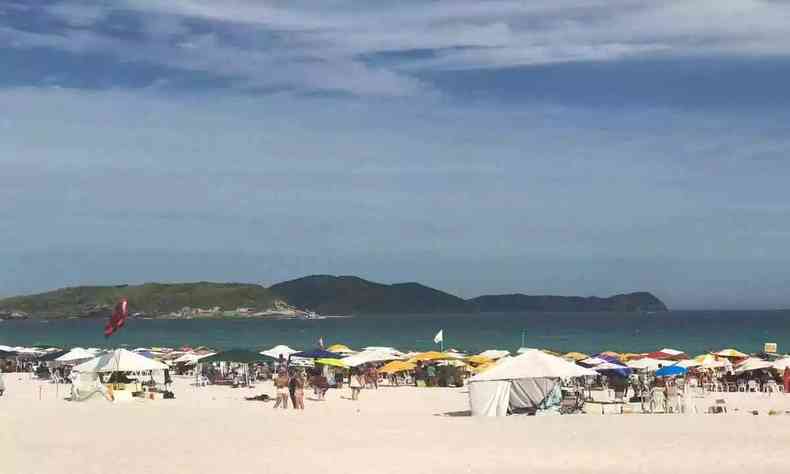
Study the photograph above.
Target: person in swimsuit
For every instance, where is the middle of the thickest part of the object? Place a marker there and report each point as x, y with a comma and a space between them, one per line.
281, 386
299, 391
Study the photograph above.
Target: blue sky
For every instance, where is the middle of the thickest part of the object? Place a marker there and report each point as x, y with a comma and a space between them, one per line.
565, 147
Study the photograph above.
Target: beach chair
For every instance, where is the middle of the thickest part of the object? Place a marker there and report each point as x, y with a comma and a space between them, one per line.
570, 404
751, 386
720, 406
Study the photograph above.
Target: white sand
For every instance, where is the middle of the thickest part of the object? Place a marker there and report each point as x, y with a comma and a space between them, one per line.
391, 430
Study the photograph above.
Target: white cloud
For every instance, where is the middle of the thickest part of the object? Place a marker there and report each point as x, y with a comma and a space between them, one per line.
326, 46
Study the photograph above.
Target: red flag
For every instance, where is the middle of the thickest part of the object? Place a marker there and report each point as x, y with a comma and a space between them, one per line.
118, 317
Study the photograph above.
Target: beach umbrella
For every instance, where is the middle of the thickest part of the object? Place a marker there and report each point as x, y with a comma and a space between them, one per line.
75, 355
397, 366
646, 363
592, 361
781, 364
576, 356
689, 363
367, 357
710, 361
671, 371
613, 368
332, 362
667, 354
609, 355
241, 356
340, 349
430, 356
317, 354
276, 351
120, 360
632, 356
753, 363
494, 354
191, 358
731, 353
477, 359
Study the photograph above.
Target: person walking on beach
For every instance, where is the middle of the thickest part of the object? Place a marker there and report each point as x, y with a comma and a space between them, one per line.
292, 387
785, 379
355, 382
281, 385
2, 383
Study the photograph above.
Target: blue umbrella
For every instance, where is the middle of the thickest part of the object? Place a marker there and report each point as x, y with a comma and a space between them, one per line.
671, 371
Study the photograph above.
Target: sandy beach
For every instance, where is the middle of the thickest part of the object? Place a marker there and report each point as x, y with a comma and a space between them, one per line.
390, 430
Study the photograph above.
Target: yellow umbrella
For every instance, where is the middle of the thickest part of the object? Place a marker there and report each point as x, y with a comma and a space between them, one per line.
340, 349
576, 356
478, 360
431, 355
631, 356
731, 353
483, 367
397, 366
332, 362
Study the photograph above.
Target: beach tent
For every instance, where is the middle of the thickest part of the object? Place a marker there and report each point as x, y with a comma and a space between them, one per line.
276, 351
397, 366
753, 363
340, 349
647, 363
120, 360
51, 356
519, 382
671, 371
317, 354
494, 354
241, 356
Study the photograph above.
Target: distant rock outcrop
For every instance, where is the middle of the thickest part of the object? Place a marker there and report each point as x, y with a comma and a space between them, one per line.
630, 302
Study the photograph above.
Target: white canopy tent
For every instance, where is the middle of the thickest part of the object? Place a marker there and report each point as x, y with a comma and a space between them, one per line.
276, 351
523, 381
191, 358
120, 360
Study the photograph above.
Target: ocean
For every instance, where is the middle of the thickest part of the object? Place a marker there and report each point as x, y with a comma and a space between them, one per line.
691, 331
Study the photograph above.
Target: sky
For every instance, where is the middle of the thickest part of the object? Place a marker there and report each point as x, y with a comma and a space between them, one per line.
572, 147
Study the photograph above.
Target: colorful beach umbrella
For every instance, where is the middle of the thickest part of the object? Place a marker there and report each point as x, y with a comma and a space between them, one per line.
397, 366
332, 362
731, 353
478, 360
671, 371
340, 349
575, 356
430, 356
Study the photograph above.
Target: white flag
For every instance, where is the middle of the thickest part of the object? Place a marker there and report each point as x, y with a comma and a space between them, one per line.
439, 337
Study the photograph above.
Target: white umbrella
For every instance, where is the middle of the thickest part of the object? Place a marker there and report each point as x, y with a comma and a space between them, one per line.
276, 351
76, 354
753, 363
688, 363
494, 354
593, 361
646, 364
781, 364
191, 358
366, 357
120, 360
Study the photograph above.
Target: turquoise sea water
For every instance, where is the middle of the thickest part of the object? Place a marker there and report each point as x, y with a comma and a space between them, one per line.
691, 331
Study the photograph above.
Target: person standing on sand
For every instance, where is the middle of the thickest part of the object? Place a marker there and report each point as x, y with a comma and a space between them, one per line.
281, 385
2, 383
298, 391
786, 380
355, 382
